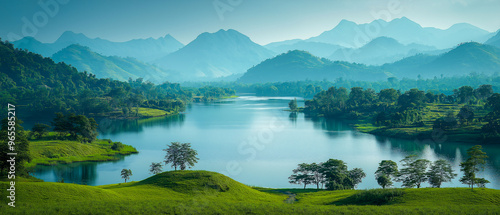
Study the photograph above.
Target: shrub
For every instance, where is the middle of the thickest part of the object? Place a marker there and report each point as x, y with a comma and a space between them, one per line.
117, 146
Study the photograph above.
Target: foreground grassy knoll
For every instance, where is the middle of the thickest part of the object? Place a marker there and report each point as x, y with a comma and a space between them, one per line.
202, 192
50, 151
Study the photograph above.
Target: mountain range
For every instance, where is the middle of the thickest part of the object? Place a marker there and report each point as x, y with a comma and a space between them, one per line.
352, 35
142, 49
379, 51
215, 55
495, 40
300, 65
117, 68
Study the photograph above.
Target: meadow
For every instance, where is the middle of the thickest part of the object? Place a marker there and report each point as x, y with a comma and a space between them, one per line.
203, 192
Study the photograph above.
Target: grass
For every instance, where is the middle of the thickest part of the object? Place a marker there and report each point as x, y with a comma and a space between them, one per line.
462, 133
50, 151
150, 112
202, 192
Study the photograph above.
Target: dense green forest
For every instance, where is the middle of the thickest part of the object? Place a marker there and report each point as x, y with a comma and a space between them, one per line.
309, 88
466, 111
37, 85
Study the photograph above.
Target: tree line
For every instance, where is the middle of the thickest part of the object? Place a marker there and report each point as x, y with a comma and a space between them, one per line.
40, 86
334, 174
392, 108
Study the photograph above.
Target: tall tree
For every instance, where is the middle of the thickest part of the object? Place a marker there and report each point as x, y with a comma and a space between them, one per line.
302, 175
387, 170
414, 172
474, 164
293, 105
180, 155
40, 129
155, 168
439, 172
126, 173
13, 132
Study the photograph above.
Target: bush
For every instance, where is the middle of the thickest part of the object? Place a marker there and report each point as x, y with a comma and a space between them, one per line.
117, 146
372, 197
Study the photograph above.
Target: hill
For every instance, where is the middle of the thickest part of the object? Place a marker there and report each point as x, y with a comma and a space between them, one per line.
315, 48
142, 49
214, 55
462, 60
202, 192
494, 41
379, 51
300, 65
352, 35
113, 67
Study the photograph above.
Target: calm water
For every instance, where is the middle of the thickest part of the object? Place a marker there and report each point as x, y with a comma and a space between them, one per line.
252, 140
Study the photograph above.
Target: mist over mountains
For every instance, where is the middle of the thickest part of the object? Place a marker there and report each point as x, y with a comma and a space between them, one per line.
370, 51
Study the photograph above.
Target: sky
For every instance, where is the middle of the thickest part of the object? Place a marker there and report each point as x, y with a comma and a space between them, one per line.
264, 21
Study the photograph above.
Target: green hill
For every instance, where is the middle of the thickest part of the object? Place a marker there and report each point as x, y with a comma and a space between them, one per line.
114, 67
203, 192
300, 65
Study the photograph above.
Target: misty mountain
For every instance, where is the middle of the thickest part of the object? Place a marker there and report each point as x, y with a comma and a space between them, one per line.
315, 48
495, 40
352, 35
84, 59
214, 55
300, 65
142, 49
462, 60
379, 51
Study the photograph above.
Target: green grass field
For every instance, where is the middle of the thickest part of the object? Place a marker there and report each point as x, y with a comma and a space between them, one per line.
50, 151
462, 133
150, 112
202, 192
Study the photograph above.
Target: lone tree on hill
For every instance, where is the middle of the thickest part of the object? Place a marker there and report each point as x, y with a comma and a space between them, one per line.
126, 173
155, 168
474, 164
180, 155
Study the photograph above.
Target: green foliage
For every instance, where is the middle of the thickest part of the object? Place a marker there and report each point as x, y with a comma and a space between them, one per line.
12, 131
180, 155
155, 168
40, 130
77, 126
117, 146
414, 171
387, 170
372, 197
126, 173
474, 164
439, 172
293, 105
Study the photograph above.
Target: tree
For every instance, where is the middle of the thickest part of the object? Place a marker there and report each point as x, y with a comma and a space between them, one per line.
21, 147
293, 105
77, 126
155, 168
474, 164
414, 172
439, 172
126, 173
302, 175
388, 95
466, 115
318, 177
464, 94
40, 129
356, 175
387, 169
181, 155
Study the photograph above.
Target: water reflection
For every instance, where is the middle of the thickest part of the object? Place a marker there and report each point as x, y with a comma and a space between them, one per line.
116, 126
78, 173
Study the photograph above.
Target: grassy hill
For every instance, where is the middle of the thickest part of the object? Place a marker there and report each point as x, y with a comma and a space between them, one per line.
49, 151
202, 192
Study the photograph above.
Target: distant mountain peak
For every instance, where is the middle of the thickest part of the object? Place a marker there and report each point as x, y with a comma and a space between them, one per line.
72, 36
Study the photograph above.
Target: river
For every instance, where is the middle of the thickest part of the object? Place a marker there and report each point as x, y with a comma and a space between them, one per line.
254, 141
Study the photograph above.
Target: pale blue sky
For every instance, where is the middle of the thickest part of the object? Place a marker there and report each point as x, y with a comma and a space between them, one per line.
264, 21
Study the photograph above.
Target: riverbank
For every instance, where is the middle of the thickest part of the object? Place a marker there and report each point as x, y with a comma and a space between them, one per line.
203, 192
51, 151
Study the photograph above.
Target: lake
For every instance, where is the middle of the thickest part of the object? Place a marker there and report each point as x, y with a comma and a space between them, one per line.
254, 141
